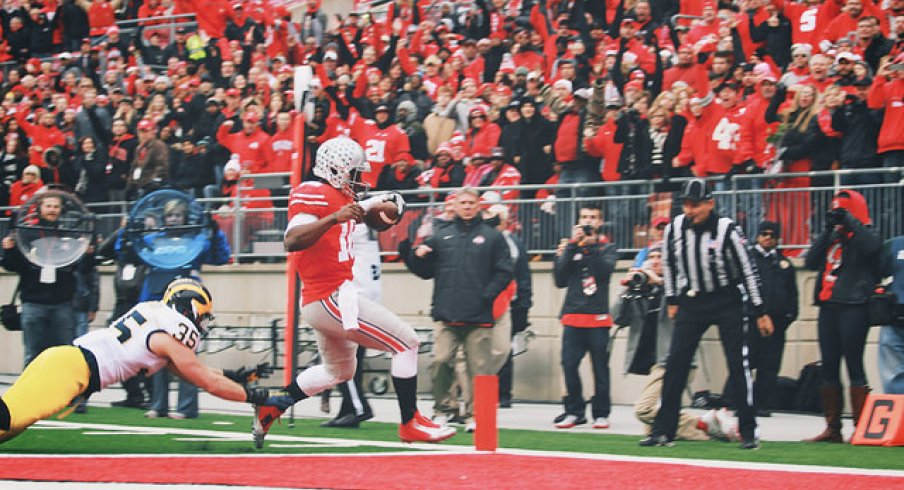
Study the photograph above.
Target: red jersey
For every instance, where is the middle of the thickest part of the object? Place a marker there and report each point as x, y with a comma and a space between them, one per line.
279, 151
805, 22
722, 131
326, 264
250, 148
382, 146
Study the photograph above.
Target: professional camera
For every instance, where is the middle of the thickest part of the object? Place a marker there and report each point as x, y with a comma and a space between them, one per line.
588, 230
835, 216
637, 280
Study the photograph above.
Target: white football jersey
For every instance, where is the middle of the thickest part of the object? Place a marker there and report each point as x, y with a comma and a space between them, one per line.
122, 350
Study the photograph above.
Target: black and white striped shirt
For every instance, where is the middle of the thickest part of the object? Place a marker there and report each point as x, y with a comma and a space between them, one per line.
708, 259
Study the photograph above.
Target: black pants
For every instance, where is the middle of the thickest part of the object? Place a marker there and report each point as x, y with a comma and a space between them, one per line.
695, 315
576, 342
842, 332
766, 357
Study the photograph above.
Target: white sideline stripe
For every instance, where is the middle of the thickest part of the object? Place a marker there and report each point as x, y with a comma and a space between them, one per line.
111, 429
421, 450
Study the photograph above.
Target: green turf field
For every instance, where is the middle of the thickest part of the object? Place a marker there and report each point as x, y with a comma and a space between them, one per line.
91, 441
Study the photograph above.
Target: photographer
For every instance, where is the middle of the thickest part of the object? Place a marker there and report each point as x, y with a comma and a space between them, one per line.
583, 265
643, 310
846, 257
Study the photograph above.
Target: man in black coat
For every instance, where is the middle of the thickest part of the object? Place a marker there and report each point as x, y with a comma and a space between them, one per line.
782, 305
471, 265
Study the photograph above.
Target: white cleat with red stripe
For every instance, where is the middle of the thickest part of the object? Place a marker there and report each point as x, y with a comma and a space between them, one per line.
422, 429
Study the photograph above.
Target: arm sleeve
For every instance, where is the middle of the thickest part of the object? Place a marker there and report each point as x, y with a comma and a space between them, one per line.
747, 268
669, 265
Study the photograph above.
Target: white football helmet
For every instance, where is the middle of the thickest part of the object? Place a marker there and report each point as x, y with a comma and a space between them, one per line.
340, 162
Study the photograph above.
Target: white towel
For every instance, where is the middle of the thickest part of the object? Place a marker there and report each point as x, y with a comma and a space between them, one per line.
347, 299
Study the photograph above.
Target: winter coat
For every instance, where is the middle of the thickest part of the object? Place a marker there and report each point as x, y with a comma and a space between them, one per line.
471, 265
858, 271
92, 180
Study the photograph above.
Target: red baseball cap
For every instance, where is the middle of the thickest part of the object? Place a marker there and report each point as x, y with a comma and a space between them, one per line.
233, 92
146, 125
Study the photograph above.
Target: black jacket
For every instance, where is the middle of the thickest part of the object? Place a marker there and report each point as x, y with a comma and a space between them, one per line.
636, 160
471, 265
858, 272
31, 289
585, 272
779, 286
860, 127
92, 177
777, 39
535, 164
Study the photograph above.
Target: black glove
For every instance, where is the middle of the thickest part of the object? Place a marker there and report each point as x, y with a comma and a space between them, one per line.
257, 396
245, 375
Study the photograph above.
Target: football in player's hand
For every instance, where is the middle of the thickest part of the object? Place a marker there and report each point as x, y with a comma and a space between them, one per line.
382, 215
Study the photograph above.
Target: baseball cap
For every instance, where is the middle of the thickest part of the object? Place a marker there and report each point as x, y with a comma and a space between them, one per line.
251, 117
381, 108
233, 92
330, 55
659, 221
521, 71
584, 93
772, 226
695, 190
846, 55
233, 165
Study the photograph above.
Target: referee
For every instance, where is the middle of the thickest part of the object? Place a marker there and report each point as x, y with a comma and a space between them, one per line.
709, 279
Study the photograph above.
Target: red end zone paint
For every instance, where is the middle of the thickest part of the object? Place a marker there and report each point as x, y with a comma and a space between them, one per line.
497, 471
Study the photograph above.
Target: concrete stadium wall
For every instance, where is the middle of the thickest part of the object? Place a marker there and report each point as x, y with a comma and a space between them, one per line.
253, 295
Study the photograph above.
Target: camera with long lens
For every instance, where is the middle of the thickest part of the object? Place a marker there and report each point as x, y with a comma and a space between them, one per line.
836, 216
637, 280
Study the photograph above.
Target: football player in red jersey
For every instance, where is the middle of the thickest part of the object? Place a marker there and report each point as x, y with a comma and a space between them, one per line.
323, 214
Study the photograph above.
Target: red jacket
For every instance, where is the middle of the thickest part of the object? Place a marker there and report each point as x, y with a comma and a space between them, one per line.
889, 95
42, 138
565, 147
250, 148
754, 132
603, 146
20, 193
483, 140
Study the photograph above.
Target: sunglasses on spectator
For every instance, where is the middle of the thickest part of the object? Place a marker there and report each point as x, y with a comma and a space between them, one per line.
767, 234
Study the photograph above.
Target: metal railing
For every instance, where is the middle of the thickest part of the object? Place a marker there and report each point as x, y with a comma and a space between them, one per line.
254, 225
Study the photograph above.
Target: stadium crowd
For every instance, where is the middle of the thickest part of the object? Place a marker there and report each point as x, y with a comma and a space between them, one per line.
446, 94
442, 94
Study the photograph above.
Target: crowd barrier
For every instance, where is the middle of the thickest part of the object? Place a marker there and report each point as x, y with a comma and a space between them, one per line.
254, 223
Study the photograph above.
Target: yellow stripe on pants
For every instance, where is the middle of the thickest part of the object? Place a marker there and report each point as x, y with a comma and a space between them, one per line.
47, 385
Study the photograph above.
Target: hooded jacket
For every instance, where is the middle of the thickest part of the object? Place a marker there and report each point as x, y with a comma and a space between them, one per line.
856, 267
